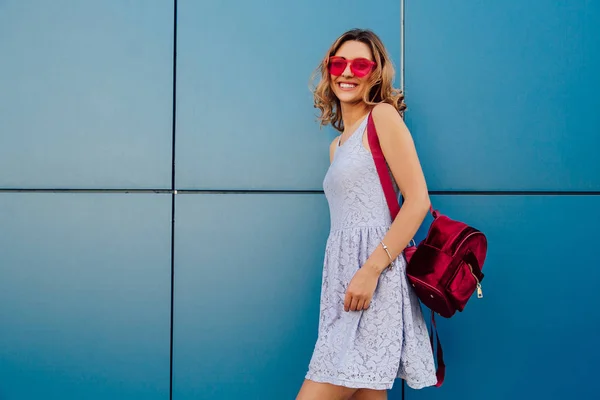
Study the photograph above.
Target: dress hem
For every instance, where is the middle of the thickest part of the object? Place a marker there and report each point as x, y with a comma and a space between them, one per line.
420, 385
369, 385
349, 384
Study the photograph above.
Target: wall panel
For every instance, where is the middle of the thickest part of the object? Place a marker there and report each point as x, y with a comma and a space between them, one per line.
84, 296
503, 95
245, 117
247, 287
530, 336
86, 94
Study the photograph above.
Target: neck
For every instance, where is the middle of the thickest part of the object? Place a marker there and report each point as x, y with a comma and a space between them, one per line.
351, 113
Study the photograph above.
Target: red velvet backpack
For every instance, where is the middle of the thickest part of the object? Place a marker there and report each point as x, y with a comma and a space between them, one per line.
445, 269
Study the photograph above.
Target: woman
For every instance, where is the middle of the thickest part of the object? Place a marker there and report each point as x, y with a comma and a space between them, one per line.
371, 328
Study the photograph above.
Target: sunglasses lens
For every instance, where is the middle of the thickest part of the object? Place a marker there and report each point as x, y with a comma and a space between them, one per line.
361, 67
337, 67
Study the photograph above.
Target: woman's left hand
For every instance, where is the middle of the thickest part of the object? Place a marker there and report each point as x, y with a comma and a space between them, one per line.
361, 289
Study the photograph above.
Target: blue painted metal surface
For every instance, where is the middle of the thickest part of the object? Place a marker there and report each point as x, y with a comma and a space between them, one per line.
531, 335
86, 94
245, 117
247, 287
84, 296
503, 95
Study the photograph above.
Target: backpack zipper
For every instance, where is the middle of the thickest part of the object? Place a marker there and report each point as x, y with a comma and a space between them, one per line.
464, 239
479, 290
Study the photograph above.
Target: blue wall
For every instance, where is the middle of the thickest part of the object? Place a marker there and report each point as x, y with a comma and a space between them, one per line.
502, 99
502, 108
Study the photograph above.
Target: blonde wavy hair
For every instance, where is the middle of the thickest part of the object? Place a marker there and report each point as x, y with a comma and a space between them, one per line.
380, 88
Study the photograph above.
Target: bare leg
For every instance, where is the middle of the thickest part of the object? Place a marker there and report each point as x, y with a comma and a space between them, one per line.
369, 394
323, 391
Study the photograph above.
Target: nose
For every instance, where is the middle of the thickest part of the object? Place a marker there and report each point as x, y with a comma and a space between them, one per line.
347, 72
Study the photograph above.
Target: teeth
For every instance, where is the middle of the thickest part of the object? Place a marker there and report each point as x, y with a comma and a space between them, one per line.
347, 85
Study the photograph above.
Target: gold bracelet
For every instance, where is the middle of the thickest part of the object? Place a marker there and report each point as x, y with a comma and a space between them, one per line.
388, 253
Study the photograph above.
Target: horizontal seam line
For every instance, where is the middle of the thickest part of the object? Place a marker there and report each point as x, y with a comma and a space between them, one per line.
301, 191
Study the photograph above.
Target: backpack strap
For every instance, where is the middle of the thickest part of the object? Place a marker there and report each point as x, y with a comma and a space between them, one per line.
394, 207
382, 168
441, 369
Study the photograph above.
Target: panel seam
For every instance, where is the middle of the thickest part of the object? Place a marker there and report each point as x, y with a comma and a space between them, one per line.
173, 193
302, 191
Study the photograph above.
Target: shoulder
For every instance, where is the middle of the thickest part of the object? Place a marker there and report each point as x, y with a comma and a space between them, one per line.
386, 112
387, 119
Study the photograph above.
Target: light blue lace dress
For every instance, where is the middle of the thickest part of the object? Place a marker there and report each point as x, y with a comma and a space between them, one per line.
389, 340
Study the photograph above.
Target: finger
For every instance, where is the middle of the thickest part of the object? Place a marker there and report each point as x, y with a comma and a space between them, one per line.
347, 301
367, 304
360, 305
354, 303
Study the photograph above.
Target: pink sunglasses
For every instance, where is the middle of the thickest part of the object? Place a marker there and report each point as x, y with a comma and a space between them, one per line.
360, 67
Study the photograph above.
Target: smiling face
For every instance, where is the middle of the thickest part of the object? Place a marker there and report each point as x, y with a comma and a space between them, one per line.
350, 84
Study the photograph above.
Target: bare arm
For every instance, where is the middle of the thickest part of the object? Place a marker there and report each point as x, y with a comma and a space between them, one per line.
399, 151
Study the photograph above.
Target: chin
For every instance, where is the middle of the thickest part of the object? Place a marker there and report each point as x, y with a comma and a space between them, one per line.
350, 98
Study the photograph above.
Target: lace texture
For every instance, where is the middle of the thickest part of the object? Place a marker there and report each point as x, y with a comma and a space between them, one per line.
389, 340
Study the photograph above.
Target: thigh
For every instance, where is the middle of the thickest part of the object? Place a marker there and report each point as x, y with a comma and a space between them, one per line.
323, 391
369, 394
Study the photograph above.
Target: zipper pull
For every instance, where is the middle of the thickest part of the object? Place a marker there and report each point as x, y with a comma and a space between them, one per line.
479, 291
